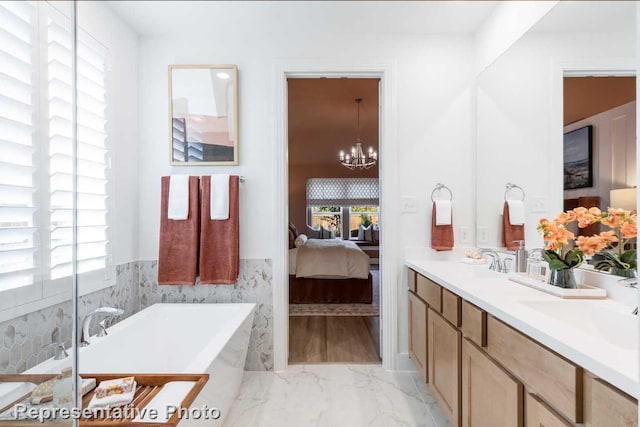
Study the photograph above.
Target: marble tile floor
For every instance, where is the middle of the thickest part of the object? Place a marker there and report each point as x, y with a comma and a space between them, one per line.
334, 396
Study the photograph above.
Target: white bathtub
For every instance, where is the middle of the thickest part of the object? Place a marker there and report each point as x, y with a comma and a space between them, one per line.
176, 338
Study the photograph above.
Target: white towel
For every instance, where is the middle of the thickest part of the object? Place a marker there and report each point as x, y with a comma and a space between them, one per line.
516, 212
219, 197
178, 197
443, 212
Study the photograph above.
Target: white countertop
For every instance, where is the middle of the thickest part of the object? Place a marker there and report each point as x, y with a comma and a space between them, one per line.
576, 329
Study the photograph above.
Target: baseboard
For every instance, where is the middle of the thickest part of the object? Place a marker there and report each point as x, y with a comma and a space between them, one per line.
405, 363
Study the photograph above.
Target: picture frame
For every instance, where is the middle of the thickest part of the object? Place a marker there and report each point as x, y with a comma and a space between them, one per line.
203, 115
578, 158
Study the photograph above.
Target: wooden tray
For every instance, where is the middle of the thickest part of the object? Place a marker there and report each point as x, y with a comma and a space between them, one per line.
148, 386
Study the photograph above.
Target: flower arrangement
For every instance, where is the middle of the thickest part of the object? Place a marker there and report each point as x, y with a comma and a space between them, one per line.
623, 227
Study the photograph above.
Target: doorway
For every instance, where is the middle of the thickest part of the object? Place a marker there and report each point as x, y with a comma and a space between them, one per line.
334, 220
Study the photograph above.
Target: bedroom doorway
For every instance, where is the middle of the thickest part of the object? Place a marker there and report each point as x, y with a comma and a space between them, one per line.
334, 229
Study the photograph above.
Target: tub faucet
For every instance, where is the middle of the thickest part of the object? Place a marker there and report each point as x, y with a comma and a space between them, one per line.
61, 352
86, 323
496, 263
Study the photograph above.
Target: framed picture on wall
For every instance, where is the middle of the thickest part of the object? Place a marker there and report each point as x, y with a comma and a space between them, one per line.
203, 115
578, 158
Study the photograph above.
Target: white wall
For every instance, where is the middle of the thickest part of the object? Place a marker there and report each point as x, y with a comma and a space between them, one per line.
108, 28
434, 121
520, 120
614, 152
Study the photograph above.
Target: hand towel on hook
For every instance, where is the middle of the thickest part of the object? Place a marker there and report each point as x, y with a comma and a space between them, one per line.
443, 212
178, 197
219, 197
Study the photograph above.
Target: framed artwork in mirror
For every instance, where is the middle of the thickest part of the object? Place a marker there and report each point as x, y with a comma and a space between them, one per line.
203, 115
578, 158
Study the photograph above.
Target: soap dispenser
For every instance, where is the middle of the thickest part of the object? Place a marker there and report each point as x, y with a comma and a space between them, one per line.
521, 257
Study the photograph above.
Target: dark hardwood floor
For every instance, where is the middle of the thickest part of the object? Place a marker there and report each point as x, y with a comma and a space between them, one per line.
334, 339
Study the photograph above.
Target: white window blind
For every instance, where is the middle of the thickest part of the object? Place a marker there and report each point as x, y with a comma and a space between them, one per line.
93, 161
18, 148
36, 154
342, 191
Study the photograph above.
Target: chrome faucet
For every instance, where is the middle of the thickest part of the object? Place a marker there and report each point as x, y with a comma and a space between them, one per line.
61, 352
496, 263
86, 323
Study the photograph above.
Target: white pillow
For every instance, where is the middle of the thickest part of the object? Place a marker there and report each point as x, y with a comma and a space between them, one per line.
362, 232
314, 232
328, 233
300, 240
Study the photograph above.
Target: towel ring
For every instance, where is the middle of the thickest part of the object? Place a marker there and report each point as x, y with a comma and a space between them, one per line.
441, 187
511, 186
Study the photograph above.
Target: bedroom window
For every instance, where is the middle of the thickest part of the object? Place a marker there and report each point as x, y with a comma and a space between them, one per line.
328, 217
365, 215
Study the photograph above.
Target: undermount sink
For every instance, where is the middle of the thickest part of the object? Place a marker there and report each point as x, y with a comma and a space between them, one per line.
616, 327
479, 272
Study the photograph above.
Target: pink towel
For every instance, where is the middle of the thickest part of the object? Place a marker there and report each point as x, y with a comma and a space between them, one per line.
510, 233
220, 239
441, 235
179, 239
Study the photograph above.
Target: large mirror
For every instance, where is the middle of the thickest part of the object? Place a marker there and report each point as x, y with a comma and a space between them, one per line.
524, 99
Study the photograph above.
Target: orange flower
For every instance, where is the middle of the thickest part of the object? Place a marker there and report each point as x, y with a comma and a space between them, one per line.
566, 217
629, 229
590, 245
586, 220
580, 210
595, 211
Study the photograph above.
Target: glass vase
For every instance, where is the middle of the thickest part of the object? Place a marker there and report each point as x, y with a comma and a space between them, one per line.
624, 272
563, 278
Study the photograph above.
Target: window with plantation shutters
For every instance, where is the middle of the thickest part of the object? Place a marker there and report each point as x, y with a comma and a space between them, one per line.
93, 158
36, 155
19, 152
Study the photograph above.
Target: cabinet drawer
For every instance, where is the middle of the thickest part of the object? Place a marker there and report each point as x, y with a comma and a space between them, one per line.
474, 323
606, 406
411, 279
429, 291
544, 372
539, 414
451, 307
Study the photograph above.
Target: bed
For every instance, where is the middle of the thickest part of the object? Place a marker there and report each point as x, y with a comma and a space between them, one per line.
329, 271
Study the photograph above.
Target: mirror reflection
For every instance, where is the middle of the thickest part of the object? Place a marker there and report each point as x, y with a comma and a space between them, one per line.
523, 118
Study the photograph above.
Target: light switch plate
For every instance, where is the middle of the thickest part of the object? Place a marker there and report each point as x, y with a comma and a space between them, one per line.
409, 205
483, 234
538, 204
464, 234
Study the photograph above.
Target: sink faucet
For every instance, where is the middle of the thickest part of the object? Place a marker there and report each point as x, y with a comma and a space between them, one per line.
86, 323
496, 263
61, 352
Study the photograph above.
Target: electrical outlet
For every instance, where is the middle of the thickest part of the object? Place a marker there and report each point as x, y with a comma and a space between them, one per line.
409, 205
538, 204
465, 234
483, 234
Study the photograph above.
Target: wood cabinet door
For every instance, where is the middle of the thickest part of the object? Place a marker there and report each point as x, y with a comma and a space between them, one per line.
539, 414
418, 333
444, 356
490, 396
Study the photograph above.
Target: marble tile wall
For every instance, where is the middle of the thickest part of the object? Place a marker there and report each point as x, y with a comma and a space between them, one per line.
255, 284
23, 339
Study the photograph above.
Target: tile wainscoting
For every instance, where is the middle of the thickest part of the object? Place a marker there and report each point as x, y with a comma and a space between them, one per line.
23, 339
255, 284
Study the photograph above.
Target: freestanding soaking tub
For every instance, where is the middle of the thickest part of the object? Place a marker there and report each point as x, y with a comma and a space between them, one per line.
176, 338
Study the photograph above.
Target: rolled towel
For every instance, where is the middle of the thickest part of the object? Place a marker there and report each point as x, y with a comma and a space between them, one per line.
516, 212
114, 393
443, 212
219, 194
178, 197
300, 240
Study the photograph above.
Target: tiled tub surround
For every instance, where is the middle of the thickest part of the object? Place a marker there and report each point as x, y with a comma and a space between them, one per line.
255, 284
23, 339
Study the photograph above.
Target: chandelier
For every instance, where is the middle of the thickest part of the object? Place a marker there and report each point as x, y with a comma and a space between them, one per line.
357, 159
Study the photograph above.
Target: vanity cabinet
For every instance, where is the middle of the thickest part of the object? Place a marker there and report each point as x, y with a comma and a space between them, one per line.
490, 396
485, 373
418, 333
539, 414
444, 356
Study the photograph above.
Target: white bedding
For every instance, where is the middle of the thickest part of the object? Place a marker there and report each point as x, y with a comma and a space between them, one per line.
329, 259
